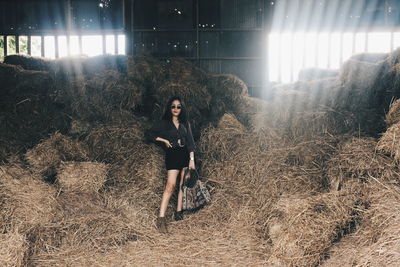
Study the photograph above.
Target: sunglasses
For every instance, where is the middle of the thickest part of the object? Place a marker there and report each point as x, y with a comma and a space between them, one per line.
173, 107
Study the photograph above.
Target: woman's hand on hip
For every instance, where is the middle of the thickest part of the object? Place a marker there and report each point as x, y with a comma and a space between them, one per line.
167, 143
191, 164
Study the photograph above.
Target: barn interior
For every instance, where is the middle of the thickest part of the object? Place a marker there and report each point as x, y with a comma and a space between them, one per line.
295, 115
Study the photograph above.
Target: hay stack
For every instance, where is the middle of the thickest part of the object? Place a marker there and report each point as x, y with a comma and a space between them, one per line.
227, 92
46, 156
310, 74
115, 143
360, 80
389, 143
358, 159
88, 222
96, 97
303, 228
81, 176
249, 109
370, 57
376, 240
29, 62
13, 249
26, 202
146, 70
393, 116
221, 142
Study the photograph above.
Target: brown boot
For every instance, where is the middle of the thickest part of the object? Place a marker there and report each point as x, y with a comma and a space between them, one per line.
161, 224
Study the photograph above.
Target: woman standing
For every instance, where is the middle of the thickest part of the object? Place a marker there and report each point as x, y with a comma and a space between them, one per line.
175, 133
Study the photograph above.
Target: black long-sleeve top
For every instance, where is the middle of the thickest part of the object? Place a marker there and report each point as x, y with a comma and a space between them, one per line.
167, 130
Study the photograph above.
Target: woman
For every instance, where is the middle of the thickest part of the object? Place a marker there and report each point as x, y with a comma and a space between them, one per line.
175, 134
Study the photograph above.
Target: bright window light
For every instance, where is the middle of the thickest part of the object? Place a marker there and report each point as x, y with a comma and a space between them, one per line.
11, 45
273, 55
347, 48
322, 50
92, 45
310, 48
62, 46
121, 44
298, 53
290, 52
110, 44
379, 42
23, 45
36, 46
335, 50
396, 40
74, 45
360, 40
49, 47
286, 57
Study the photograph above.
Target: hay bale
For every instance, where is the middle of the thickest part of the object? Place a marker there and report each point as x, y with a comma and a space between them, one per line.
393, 116
370, 57
221, 142
81, 176
146, 70
115, 143
90, 223
97, 97
249, 108
361, 80
376, 240
13, 249
227, 92
47, 155
358, 159
26, 202
389, 143
310, 74
29, 62
303, 228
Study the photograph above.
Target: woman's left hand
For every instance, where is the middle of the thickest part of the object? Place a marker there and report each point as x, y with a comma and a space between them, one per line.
191, 164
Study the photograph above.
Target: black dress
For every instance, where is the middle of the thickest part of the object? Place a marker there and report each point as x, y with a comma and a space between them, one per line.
181, 139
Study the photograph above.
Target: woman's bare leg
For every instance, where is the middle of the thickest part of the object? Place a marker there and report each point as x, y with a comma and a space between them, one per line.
168, 191
180, 194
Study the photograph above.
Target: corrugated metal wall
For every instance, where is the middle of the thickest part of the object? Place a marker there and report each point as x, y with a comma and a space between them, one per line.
220, 36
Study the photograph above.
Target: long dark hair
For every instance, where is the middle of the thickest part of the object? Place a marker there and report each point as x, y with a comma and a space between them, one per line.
183, 116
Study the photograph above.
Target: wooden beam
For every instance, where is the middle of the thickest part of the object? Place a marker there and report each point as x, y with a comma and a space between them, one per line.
42, 45
29, 45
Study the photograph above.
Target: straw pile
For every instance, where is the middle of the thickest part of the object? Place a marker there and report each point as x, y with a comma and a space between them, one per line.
376, 241
302, 229
28, 109
389, 142
370, 57
88, 221
270, 166
358, 159
310, 74
81, 176
114, 143
26, 202
360, 79
95, 98
227, 92
29, 62
45, 157
393, 116
13, 249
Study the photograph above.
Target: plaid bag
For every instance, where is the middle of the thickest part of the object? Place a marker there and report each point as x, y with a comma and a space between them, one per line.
195, 193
